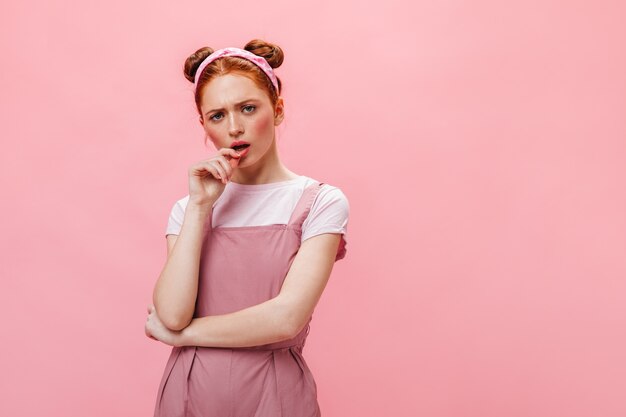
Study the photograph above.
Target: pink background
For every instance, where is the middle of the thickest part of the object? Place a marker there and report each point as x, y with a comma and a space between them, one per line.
482, 146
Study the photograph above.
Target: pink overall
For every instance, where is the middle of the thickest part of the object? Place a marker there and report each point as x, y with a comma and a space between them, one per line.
241, 267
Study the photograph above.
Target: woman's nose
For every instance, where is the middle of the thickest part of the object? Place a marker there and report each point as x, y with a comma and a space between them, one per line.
236, 127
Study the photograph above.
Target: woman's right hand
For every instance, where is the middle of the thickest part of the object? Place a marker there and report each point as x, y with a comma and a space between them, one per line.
208, 177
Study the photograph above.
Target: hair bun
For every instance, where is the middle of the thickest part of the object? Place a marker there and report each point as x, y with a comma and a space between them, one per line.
193, 62
272, 53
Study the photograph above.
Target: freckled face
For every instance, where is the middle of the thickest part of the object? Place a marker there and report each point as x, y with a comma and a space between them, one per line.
234, 108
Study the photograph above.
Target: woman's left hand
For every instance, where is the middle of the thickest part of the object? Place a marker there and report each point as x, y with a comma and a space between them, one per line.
156, 330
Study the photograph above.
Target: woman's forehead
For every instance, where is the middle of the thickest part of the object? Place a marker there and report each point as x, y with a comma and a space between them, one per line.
231, 89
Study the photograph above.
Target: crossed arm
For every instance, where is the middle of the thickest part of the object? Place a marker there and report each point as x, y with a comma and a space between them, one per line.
279, 318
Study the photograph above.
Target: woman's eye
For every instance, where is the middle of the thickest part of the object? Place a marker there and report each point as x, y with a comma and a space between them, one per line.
250, 106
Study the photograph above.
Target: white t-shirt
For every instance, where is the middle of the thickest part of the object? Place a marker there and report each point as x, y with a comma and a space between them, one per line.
273, 203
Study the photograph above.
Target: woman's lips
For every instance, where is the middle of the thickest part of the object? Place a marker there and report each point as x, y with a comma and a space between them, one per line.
238, 143
243, 152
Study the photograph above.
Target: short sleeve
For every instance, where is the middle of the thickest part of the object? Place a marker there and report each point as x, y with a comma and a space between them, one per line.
175, 221
329, 214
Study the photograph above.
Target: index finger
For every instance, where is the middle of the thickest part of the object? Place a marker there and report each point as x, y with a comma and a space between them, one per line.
234, 162
229, 152
234, 156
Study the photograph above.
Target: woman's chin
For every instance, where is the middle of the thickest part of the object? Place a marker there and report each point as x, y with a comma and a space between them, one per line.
246, 161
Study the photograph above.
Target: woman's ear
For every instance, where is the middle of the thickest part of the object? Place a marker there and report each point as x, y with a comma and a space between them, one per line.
279, 111
201, 122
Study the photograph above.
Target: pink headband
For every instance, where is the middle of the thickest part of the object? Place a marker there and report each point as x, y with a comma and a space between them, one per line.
242, 53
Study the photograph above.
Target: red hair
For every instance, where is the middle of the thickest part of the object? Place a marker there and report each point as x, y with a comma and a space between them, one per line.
273, 54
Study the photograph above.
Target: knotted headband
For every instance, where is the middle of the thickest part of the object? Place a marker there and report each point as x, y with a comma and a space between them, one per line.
242, 53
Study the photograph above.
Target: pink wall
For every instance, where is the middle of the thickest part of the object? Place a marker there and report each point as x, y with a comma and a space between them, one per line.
482, 146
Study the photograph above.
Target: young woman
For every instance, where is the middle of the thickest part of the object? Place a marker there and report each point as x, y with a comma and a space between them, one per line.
249, 252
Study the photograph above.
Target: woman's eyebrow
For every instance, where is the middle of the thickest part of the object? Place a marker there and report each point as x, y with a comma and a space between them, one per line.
236, 104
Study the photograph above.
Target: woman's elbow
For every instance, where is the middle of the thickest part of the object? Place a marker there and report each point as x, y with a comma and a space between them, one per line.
173, 320
291, 325
175, 323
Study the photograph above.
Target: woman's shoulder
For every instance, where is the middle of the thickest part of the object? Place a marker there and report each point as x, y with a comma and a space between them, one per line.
326, 187
182, 202
329, 194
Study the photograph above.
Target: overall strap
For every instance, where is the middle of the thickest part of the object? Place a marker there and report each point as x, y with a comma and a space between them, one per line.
303, 206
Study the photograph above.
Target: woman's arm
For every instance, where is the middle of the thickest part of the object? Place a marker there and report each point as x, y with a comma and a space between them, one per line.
175, 292
279, 318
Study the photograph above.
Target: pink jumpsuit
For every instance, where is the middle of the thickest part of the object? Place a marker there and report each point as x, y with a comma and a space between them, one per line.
241, 267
